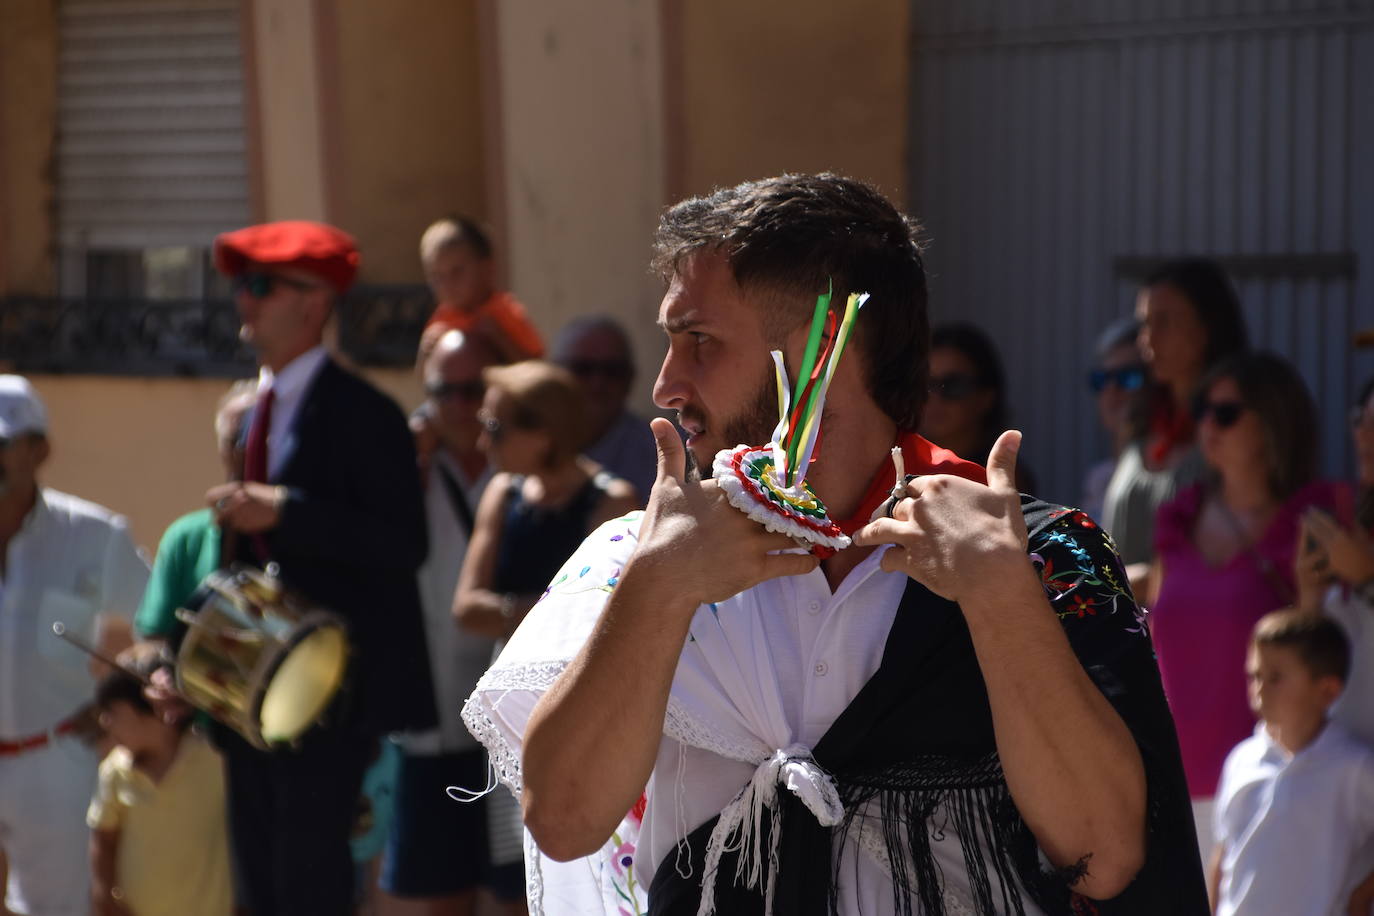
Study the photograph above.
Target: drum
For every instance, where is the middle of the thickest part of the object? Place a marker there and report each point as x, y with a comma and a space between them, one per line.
258, 660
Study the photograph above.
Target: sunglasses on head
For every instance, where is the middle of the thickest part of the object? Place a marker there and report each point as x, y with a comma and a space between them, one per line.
1127, 378
260, 285
953, 387
1224, 413
612, 370
472, 390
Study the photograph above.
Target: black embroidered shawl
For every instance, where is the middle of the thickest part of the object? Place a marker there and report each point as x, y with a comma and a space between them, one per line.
917, 743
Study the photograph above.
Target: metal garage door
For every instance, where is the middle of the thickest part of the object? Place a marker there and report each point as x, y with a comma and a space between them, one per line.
1058, 149
150, 151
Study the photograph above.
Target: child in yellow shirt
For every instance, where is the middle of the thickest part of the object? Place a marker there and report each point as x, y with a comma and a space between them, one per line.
159, 842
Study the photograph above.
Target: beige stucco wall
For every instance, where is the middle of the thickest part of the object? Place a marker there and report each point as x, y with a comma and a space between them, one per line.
609, 112
288, 93
788, 85
408, 123
28, 115
580, 89
146, 447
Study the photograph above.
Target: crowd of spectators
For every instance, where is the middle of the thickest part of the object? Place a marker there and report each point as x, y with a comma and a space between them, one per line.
1258, 576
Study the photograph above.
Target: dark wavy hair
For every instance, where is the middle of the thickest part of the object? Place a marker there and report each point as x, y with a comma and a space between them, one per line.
788, 238
1271, 387
1213, 298
971, 341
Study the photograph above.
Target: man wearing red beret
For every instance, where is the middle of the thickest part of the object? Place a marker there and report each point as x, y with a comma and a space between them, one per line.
331, 495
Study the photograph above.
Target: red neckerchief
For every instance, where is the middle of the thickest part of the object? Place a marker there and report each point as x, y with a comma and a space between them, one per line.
1169, 429
921, 457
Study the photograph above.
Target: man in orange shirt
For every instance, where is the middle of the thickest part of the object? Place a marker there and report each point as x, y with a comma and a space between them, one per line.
457, 258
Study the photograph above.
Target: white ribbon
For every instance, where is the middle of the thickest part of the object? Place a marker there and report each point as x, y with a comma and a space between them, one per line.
738, 828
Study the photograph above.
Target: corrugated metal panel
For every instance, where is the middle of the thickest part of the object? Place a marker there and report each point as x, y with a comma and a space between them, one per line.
150, 148
1052, 140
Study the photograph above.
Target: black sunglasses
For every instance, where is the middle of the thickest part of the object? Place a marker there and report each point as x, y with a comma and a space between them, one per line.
472, 390
1224, 413
1127, 378
953, 387
260, 285
612, 370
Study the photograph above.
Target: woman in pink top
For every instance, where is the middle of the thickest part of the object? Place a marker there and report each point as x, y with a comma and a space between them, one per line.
1225, 550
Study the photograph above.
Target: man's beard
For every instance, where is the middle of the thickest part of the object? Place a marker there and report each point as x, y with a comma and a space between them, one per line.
752, 425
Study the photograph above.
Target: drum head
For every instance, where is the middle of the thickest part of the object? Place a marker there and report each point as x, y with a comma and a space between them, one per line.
303, 684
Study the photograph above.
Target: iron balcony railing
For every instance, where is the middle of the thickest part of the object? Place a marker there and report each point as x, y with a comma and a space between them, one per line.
378, 326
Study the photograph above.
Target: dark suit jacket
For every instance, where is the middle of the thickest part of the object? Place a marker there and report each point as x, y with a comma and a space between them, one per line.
352, 537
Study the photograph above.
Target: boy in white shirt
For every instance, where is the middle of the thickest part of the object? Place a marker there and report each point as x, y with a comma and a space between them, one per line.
1296, 800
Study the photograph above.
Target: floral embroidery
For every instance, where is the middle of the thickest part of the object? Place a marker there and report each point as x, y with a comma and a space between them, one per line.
1081, 518
1081, 572
630, 895
1082, 906
1082, 606
566, 582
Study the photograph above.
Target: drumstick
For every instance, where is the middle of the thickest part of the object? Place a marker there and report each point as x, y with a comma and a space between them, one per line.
60, 629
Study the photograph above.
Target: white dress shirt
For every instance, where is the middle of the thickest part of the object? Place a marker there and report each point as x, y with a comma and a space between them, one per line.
70, 562
1355, 708
766, 670
288, 390
1291, 826
457, 657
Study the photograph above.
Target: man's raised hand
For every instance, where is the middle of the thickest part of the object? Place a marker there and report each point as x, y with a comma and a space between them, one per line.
696, 543
952, 534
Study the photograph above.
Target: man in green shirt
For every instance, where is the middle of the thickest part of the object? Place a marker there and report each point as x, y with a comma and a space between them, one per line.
190, 547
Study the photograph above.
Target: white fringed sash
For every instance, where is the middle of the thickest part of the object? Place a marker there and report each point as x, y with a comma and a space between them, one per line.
740, 823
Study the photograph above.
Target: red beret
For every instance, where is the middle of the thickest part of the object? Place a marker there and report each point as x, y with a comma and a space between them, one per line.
328, 253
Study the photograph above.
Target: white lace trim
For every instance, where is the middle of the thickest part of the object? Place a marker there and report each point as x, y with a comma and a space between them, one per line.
478, 708
684, 727
534, 877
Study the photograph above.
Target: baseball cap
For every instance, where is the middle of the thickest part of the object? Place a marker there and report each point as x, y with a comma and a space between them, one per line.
21, 411
317, 248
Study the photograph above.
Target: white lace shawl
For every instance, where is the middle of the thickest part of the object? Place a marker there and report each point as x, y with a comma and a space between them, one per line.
720, 702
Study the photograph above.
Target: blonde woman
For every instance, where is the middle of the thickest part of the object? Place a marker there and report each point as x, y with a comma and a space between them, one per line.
544, 500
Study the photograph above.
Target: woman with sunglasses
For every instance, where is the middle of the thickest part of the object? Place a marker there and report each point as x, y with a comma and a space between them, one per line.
1224, 554
544, 500
1335, 573
967, 408
1190, 319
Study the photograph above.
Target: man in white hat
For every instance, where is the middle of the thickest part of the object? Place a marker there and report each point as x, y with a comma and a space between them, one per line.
62, 559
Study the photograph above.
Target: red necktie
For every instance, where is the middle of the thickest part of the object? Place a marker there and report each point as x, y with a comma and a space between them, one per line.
255, 451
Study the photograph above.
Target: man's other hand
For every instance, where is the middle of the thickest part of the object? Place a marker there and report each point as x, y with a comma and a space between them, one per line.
954, 535
247, 507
